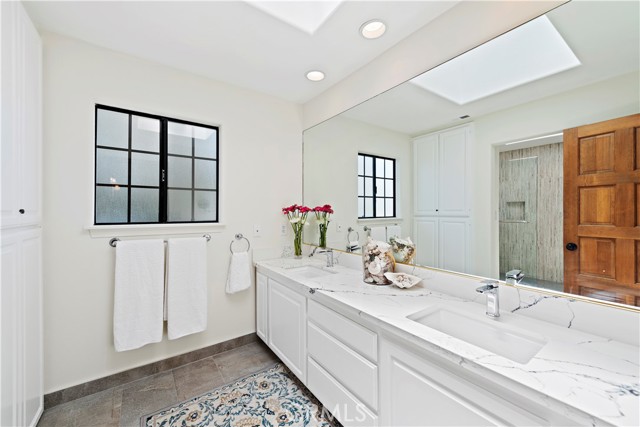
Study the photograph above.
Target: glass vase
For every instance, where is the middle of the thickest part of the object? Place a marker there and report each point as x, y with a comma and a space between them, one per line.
297, 243
377, 259
322, 241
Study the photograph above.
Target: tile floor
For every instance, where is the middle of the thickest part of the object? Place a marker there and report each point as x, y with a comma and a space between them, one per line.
124, 405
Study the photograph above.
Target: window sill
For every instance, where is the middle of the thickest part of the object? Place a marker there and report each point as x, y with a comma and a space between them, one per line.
131, 230
379, 220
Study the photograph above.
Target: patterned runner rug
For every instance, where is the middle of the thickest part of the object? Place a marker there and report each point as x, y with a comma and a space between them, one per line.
269, 398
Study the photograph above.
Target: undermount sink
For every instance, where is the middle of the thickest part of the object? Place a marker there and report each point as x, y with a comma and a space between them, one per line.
491, 335
310, 272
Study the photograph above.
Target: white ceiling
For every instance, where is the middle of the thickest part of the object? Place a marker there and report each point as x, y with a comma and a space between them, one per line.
238, 42
604, 35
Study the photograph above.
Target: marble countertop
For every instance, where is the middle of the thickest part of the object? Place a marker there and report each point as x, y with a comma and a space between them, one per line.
591, 379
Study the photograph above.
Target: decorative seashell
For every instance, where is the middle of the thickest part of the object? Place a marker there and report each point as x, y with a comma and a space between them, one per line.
374, 267
403, 280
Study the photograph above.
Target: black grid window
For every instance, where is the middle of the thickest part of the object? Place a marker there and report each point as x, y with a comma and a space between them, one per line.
376, 187
152, 169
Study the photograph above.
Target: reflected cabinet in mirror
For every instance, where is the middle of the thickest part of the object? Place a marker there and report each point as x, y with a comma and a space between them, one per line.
517, 160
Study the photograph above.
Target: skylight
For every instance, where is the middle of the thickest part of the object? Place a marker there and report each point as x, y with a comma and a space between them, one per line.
307, 16
530, 52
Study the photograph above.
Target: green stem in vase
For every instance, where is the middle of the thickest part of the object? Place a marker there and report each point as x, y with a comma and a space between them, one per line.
322, 242
297, 242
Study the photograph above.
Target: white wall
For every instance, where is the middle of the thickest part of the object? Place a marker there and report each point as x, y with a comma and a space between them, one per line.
600, 101
260, 172
331, 169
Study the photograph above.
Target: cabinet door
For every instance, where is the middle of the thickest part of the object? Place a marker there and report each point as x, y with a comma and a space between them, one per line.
453, 244
287, 327
31, 142
426, 239
453, 177
21, 118
261, 306
425, 169
9, 330
10, 155
419, 392
31, 263
21, 387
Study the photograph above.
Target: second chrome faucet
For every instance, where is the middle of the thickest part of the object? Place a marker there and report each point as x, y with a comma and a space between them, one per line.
490, 289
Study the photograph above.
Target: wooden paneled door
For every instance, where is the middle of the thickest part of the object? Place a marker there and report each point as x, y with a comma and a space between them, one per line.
602, 210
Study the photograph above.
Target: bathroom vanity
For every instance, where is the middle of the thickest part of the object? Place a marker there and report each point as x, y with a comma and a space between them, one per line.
428, 355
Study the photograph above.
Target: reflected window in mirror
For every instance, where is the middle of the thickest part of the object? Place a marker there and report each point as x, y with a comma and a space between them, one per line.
376, 186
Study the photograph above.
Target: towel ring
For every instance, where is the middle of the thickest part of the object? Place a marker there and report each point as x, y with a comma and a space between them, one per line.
239, 236
351, 230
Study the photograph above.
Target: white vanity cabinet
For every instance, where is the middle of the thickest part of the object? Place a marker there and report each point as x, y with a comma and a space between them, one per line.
285, 318
418, 389
342, 366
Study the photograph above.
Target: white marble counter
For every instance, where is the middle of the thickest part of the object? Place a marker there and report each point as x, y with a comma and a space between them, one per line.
592, 379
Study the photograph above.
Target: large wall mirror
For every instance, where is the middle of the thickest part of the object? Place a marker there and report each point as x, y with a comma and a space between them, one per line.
479, 144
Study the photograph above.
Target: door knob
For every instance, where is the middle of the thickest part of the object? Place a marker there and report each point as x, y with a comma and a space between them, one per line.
571, 246
21, 211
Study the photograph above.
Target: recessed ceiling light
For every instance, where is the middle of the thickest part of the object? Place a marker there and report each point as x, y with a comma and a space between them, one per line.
315, 75
373, 29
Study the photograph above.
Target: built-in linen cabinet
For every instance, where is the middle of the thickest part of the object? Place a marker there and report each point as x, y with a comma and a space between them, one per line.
442, 198
21, 356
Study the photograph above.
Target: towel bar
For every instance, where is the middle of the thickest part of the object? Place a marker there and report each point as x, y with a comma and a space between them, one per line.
114, 241
239, 236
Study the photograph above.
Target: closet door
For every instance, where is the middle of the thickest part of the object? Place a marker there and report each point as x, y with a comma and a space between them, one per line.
21, 118
425, 169
453, 244
21, 388
453, 187
426, 238
10, 156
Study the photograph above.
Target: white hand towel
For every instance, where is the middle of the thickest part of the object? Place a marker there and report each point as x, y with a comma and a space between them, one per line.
239, 275
186, 286
393, 231
138, 295
379, 233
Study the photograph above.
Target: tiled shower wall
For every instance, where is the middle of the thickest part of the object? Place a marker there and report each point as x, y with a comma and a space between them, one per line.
531, 191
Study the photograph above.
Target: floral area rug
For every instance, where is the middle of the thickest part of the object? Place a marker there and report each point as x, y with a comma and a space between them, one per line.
270, 398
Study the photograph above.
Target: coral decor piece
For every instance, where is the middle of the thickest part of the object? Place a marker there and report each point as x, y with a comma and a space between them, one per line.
404, 250
297, 216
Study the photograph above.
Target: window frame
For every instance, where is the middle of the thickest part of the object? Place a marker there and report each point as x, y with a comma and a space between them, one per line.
375, 198
163, 173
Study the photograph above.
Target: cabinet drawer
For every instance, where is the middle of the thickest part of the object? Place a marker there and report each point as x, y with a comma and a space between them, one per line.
356, 373
340, 402
355, 336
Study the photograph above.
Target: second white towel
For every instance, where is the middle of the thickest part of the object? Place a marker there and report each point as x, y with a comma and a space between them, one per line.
379, 233
239, 275
186, 286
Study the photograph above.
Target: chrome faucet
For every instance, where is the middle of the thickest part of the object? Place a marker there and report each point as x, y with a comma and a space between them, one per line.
490, 288
327, 251
514, 277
